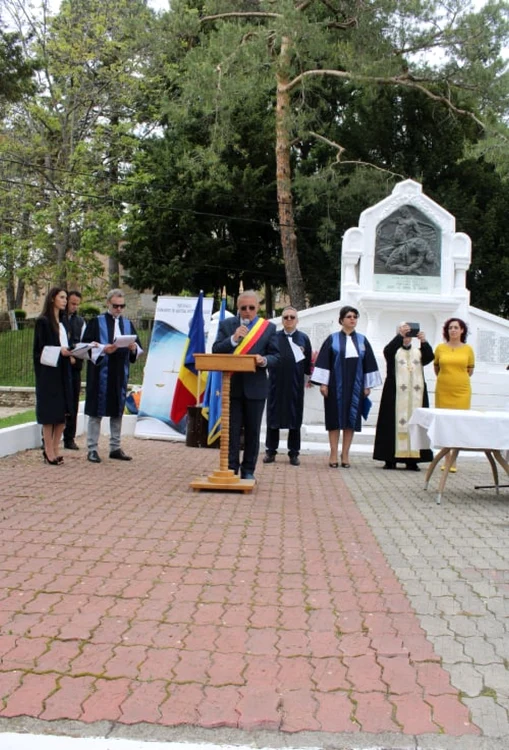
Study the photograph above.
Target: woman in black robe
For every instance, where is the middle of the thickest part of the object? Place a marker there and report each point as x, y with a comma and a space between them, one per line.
404, 390
345, 370
53, 396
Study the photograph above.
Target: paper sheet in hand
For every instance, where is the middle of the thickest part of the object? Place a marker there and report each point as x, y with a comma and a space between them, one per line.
124, 341
50, 355
80, 351
297, 351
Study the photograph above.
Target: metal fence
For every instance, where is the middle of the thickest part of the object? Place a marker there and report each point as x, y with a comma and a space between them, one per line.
16, 354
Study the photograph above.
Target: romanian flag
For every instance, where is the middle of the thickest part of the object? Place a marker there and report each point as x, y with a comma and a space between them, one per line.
188, 390
212, 398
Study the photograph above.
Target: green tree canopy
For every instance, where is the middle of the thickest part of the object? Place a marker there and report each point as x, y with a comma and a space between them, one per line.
15, 69
328, 75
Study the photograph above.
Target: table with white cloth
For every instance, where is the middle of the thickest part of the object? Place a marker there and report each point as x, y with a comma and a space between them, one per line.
455, 430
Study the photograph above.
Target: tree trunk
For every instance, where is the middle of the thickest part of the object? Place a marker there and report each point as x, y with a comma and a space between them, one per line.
9, 292
269, 301
294, 280
113, 262
113, 272
61, 246
20, 294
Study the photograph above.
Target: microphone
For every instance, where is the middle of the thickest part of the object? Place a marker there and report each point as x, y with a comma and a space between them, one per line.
244, 322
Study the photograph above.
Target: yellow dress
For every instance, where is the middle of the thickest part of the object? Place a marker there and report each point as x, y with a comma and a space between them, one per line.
453, 389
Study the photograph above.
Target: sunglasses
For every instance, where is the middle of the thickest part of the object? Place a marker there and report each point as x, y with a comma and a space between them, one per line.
247, 307
118, 307
289, 317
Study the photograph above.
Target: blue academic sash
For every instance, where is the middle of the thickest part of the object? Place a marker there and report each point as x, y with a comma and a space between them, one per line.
103, 371
358, 386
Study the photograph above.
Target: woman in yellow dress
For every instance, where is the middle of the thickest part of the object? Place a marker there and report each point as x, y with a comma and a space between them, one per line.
454, 364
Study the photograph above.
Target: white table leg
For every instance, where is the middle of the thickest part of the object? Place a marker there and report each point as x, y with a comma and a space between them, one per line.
452, 454
433, 464
494, 470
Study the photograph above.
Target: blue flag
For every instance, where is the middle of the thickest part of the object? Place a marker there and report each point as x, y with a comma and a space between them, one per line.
212, 399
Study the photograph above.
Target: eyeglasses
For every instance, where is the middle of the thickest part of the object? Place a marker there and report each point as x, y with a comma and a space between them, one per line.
352, 317
247, 307
118, 307
289, 317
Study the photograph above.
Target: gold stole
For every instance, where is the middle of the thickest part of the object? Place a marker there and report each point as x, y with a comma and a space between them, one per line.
409, 396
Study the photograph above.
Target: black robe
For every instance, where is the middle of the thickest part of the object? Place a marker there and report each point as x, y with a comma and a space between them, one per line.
107, 389
53, 395
385, 437
285, 403
347, 379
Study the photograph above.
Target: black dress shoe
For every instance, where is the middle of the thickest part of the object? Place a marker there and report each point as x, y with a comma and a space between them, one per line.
94, 457
71, 446
269, 458
295, 460
120, 455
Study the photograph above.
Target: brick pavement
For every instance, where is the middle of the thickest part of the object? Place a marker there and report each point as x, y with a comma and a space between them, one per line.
129, 599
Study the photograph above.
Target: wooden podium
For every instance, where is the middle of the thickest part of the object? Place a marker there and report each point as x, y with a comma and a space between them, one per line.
224, 478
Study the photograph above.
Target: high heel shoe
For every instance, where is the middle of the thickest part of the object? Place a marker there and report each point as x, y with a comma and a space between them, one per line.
54, 462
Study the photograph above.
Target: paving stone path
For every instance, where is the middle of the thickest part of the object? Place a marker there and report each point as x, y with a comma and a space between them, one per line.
357, 610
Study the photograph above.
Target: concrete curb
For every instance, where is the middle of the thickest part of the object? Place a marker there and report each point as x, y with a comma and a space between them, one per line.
25, 437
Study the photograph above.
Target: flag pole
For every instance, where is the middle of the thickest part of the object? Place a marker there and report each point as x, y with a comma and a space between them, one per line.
198, 379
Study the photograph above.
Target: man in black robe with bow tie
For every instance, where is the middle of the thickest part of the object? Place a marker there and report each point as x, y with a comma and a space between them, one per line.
285, 404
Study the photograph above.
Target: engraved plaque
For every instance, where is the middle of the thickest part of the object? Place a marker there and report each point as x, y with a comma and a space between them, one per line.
486, 346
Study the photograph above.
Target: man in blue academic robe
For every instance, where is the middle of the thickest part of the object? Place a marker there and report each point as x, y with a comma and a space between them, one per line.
107, 374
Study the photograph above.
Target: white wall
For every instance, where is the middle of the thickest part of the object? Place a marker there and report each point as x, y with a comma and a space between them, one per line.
490, 381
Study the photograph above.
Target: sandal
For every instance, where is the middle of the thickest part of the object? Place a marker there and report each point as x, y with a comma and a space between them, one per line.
333, 466
345, 465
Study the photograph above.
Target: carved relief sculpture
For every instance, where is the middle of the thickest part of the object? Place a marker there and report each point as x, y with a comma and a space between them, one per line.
407, 243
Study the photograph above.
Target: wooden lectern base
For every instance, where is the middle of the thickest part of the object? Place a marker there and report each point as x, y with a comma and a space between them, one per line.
223, 480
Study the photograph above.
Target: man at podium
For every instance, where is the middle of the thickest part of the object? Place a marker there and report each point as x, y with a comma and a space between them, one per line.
247, 333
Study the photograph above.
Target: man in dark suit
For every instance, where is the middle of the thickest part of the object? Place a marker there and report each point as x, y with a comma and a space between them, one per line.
75, 327
247, 334
107, 374
285, 404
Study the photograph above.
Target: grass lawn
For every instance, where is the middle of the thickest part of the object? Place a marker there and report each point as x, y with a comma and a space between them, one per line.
15, 419
16, 359
16, 365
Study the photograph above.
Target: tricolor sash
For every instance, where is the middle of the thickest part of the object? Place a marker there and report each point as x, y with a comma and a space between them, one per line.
253, 336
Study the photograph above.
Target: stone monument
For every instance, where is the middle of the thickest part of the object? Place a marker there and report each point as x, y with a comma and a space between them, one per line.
405, 261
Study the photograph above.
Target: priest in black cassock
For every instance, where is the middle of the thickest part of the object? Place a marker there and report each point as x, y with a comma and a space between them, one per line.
285, 404
404, 390
108, 373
